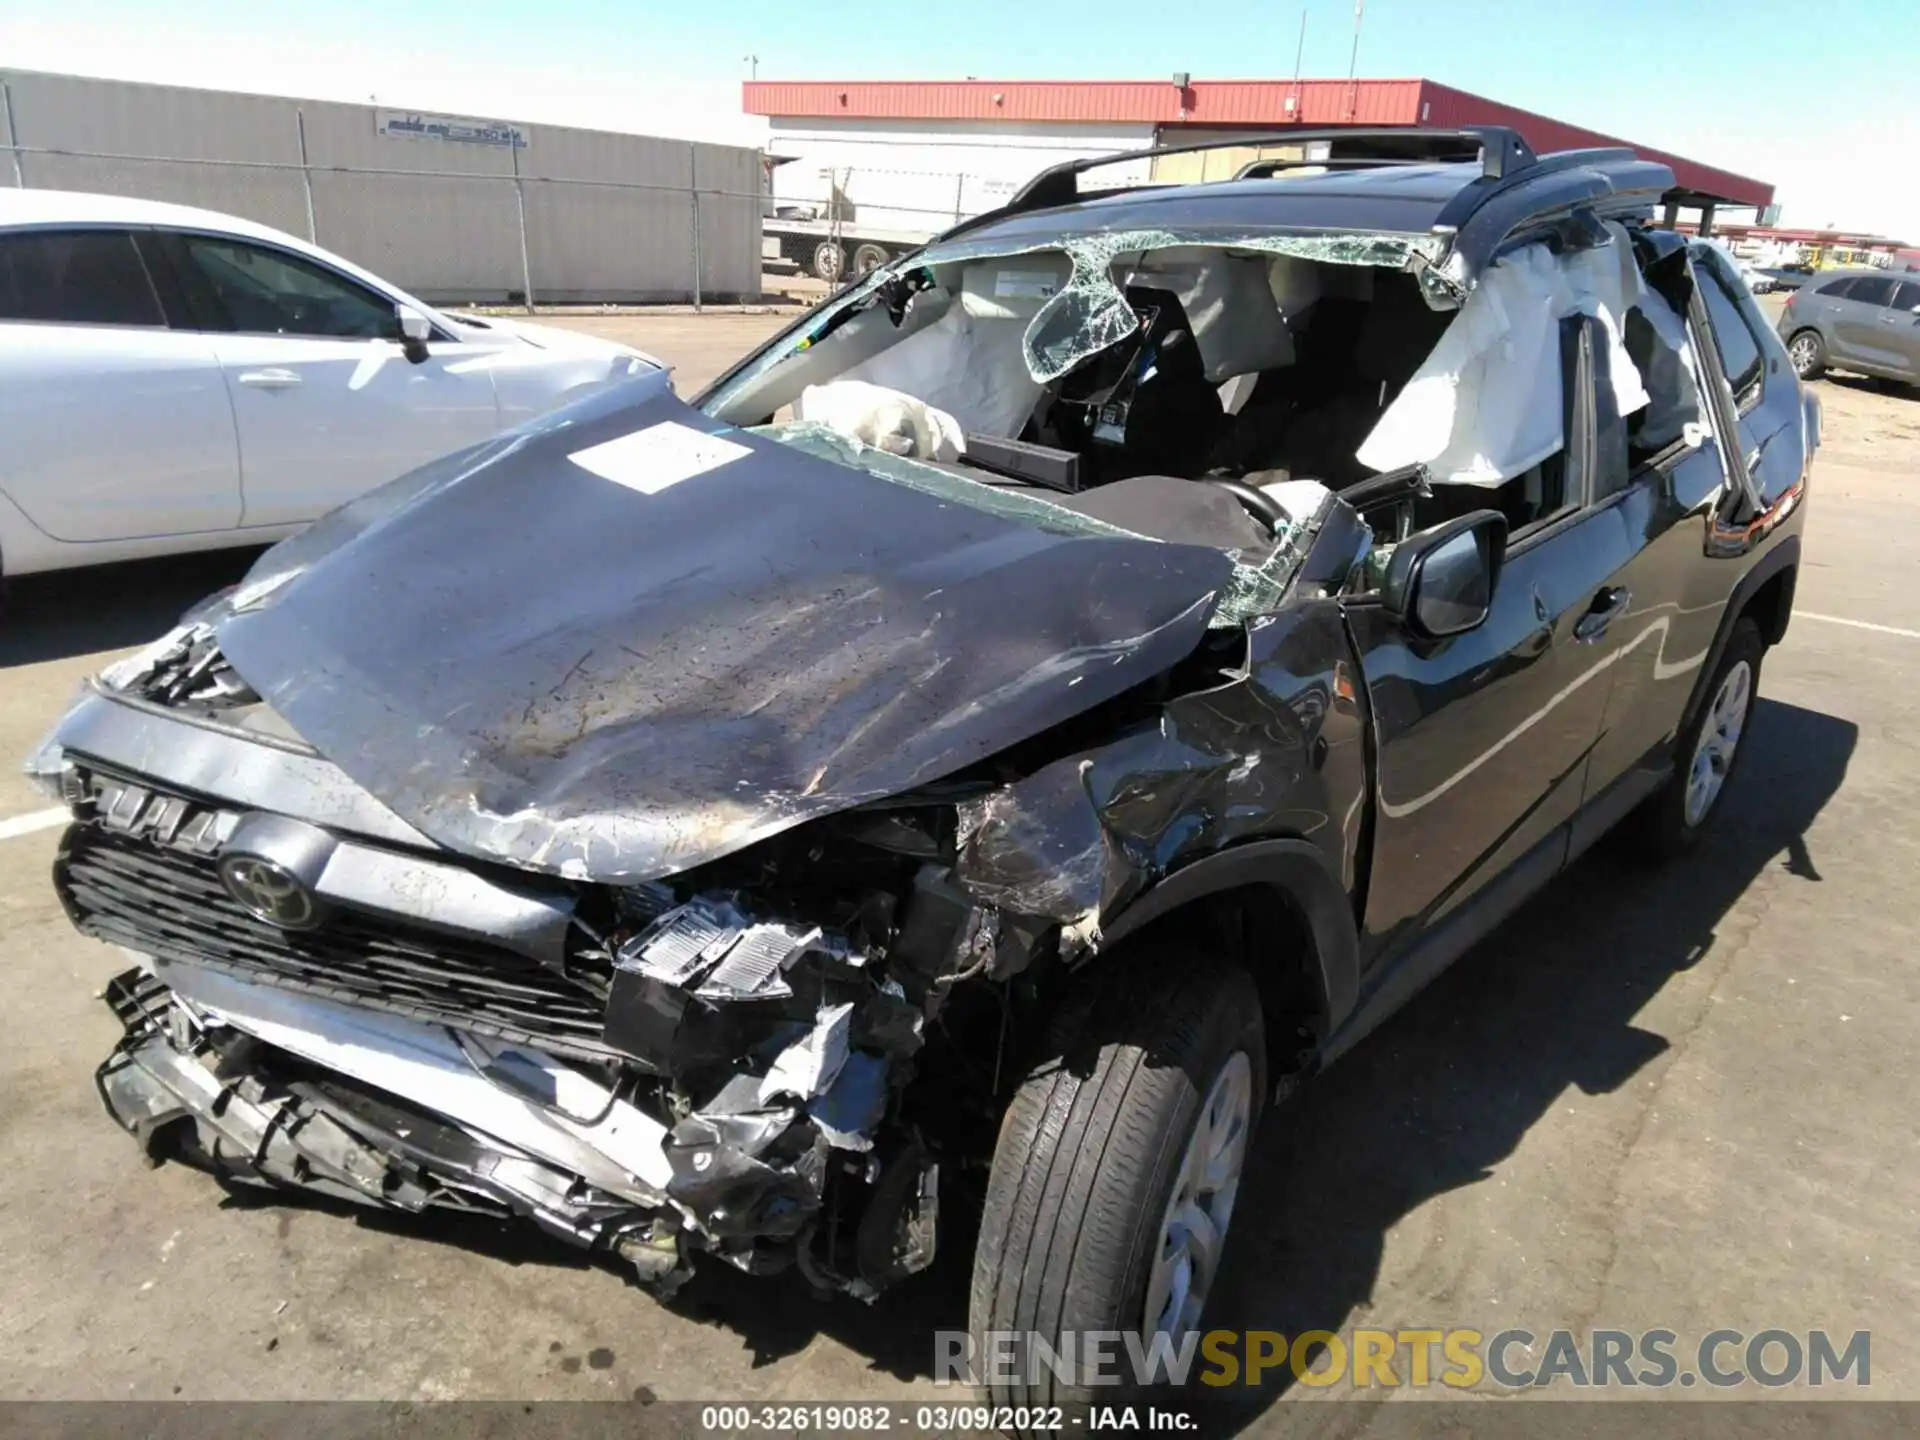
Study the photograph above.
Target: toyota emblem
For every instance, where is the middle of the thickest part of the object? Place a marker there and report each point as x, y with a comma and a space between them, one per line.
269, 891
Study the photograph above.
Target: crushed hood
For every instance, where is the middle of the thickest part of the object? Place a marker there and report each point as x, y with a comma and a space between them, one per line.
616, 663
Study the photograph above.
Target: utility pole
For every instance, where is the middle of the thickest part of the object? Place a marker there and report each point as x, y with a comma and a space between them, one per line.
1353, 60
752, 62
1299, 51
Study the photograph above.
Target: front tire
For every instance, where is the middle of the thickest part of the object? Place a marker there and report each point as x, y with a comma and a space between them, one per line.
1709, 749
1117, 1167
1808, 352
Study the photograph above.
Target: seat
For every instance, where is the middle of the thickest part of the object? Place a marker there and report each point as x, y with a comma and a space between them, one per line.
1143, 405
1177, 415
1356, 358
1397, 332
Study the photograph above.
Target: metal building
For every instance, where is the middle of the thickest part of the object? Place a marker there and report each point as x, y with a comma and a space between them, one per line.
453, 208
878, 162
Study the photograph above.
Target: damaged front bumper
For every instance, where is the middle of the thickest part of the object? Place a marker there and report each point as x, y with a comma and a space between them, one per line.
263, 1087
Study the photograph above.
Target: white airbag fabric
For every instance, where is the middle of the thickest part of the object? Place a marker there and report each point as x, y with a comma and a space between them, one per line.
1235, 317
1486, 405
973, 370
883, 418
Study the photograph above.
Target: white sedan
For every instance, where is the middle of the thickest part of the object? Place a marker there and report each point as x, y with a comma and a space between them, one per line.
173, 379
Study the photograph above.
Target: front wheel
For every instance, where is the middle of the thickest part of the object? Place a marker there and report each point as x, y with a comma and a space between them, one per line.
1808, 352
1116, 1172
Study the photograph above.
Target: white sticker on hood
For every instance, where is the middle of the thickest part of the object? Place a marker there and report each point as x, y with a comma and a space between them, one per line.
661, 455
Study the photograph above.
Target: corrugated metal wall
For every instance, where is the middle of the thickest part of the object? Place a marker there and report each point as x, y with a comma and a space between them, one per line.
608, 216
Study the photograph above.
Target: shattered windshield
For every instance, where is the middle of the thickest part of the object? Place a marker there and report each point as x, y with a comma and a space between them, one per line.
1067, 381
1089, 312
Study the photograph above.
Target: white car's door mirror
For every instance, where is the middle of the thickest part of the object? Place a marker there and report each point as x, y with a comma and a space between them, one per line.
415, 330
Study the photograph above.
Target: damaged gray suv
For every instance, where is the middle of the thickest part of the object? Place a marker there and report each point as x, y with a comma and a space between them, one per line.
1017, 726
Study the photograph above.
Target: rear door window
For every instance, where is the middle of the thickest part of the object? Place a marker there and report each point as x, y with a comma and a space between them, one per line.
1907, 295
76, 277
1740, 355
1872, 290
1656, 341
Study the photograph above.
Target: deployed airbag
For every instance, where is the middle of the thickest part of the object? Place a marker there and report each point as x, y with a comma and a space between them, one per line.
885, 419
1486, 404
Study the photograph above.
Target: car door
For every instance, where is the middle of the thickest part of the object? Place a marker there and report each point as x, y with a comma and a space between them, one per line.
1860, 325
1817, 304
326, 401
1482, 740
112, 426
1678, 482
1902, 329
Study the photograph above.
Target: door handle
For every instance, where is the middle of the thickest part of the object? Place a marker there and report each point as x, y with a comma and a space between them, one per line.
1609, 603
272, 379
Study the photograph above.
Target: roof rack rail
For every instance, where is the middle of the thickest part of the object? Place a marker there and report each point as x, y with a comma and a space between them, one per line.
1500, 150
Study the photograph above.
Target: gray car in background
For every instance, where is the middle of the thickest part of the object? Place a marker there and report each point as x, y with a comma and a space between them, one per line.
1865, 320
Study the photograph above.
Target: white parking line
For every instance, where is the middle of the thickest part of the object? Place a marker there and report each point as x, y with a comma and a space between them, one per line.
1859, 624
28, 824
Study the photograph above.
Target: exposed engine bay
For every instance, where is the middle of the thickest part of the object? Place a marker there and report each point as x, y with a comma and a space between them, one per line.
722, 1062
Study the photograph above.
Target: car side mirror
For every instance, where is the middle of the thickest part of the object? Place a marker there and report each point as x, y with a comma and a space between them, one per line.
1441, 581
415, 330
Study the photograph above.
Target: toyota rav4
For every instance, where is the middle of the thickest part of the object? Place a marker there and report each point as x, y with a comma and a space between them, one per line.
1013, 729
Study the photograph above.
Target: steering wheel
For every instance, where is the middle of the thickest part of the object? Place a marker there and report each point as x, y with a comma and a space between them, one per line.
1257, 503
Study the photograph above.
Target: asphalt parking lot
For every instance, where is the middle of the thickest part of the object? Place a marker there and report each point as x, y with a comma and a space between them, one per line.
1678, 1098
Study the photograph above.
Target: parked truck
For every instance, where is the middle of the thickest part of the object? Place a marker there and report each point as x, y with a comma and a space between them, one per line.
833, 220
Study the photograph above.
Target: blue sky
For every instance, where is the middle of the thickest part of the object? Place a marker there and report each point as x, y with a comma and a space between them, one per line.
1821, 98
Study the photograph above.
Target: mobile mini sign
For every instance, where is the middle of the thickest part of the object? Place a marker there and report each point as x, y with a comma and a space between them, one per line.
454, 129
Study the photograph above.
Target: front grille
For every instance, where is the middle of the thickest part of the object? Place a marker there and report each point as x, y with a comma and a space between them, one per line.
129, 891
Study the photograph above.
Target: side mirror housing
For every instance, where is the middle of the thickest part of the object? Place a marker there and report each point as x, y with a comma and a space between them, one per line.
1441, 581
415, 330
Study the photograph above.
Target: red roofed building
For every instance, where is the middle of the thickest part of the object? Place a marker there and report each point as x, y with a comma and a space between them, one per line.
912, 157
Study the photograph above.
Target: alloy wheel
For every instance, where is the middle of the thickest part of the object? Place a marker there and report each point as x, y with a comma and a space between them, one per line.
1194, 1227
1719, 737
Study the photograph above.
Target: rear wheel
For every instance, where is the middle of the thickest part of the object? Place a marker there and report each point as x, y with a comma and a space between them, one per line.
868, 258
1116, 1172
1672, 820
1808, 352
